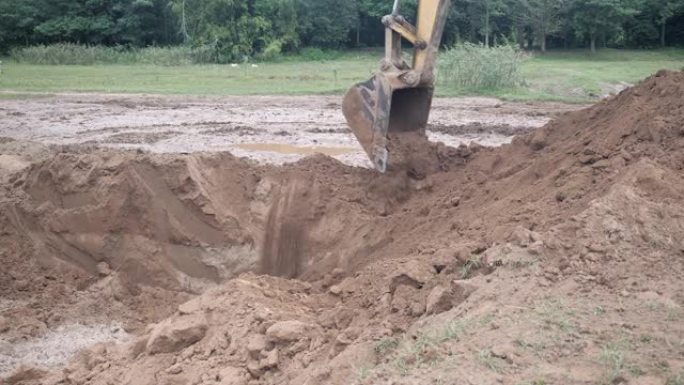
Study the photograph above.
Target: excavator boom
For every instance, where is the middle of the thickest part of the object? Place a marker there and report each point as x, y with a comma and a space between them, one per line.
397, 99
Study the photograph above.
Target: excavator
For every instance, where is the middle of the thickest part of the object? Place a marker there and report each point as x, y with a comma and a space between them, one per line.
396, 101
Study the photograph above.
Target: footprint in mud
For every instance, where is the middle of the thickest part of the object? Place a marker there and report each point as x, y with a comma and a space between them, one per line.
282, 253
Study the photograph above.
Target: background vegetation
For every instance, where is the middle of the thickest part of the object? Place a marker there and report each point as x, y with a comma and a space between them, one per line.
492, 47
567, 75
222, 31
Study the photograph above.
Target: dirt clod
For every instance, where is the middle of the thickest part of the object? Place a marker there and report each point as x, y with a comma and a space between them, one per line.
439, 300
288, 331
174, 335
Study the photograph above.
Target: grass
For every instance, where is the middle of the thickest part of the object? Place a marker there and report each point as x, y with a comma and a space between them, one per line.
67, 53
613, 357
386, 346
487, 358
575, 75
554, 322
675, 379
474, 67
267, 79
556, 314
572, 76
471, 265
405, 354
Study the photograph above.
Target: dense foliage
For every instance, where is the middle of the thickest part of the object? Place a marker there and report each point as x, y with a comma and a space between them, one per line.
229, 30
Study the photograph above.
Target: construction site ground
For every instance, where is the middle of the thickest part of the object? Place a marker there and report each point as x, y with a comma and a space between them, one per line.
272, 129
243, 241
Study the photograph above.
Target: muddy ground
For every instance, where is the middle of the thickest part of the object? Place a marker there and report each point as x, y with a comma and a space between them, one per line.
273, 129
554, 258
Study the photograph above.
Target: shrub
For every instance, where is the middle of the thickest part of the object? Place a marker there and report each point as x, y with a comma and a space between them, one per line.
272, 51
63, 54
75, 54
473, 67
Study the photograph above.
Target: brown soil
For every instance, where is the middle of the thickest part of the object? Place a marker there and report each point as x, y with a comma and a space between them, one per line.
555, 259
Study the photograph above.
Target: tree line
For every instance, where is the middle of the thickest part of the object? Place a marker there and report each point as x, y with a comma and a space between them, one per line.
248, 28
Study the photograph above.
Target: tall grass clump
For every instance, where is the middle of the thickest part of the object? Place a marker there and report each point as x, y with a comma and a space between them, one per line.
473, 67
76, 54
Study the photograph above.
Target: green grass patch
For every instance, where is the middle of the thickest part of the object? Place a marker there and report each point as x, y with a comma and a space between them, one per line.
579, 76
573, 76
613, 357
265, 79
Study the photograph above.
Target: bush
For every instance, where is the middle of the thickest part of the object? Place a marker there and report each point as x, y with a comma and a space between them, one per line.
474, 67
64, 54
272, 51
75, 54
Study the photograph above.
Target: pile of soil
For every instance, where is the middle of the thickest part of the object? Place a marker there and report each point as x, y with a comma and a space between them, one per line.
369, 278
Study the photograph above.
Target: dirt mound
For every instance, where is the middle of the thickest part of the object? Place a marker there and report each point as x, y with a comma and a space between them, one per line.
642, 121
398, 272
159, 221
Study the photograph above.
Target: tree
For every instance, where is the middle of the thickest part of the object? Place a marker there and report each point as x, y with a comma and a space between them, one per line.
125, 22
543, 17
665, 9
327, 23
594, 18
224, 25
17, 21
519, 20
483, 12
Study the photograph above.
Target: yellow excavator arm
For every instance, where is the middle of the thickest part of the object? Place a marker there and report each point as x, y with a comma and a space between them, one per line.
397, 99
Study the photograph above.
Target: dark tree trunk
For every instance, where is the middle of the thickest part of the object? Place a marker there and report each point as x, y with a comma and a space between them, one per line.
593, 44
662, 34
543, 43
487, 26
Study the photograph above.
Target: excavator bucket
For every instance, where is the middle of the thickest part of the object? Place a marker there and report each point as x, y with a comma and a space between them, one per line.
398, 98
374, 110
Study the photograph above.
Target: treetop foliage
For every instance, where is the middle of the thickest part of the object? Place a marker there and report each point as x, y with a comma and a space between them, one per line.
233, 30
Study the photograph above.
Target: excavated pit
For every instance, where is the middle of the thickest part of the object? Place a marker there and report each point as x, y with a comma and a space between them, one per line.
98, 236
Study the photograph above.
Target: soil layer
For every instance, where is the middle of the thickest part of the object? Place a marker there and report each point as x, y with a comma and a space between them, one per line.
554, 259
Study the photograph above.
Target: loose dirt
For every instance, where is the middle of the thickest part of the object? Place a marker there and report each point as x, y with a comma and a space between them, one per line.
554, 259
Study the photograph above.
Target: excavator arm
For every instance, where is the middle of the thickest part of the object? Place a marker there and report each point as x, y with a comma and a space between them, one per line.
397, 99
